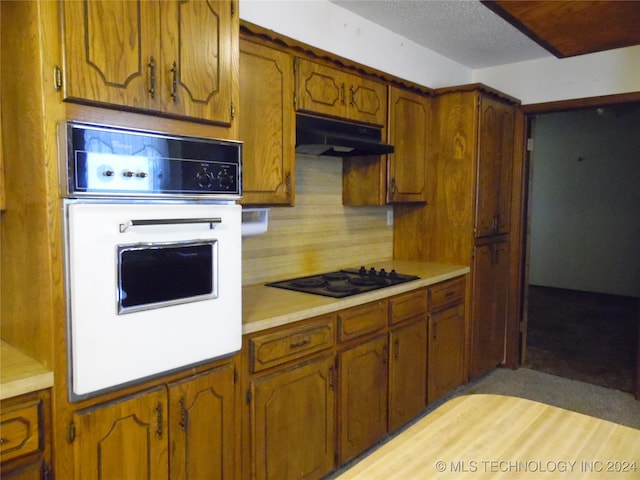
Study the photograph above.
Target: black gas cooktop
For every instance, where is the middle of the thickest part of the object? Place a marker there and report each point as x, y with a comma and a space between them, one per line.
344, 283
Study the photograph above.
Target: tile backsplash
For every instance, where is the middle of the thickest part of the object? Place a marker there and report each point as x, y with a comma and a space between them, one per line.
318, 234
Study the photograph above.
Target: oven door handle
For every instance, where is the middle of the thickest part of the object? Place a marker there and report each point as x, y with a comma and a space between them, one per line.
213, 222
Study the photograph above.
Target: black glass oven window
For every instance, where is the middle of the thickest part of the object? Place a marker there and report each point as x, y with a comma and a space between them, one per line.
165, 274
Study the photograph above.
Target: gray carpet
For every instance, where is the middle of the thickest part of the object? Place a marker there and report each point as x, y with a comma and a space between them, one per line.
609, 404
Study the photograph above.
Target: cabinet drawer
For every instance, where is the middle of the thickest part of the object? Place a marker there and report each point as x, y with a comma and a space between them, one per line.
407, 306
361, 320
446, 293
20, 431
273, 349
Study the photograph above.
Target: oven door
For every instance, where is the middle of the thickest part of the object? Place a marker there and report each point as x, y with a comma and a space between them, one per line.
151, 288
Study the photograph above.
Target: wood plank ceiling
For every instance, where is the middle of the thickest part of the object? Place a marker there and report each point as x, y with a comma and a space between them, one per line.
569, 28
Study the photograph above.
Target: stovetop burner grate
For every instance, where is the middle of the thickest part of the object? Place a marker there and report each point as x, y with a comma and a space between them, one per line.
343, 283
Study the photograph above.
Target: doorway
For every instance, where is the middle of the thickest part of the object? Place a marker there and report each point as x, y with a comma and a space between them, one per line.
583, 267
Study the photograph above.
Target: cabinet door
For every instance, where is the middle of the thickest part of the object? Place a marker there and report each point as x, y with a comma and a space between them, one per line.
367, 100
495, 163
363, 397
407, 372
293, 422
112, 52
409, 133
201, 414
329, 91
320, 89
198, 58
267, 125
446, 351
123, 439
490, 289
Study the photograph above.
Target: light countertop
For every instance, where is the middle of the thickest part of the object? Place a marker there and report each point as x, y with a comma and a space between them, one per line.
266, 307
491, 437
19, 373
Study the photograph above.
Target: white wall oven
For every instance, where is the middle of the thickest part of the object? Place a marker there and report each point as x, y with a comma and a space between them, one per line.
152, 253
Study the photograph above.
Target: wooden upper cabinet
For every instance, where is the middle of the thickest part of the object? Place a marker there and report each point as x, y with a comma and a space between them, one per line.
330, 91
409, 132
173, 57
495, 164
199, 58
267, 125
111, 50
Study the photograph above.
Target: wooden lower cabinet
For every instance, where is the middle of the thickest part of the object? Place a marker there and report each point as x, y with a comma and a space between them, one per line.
363, 396
490, 295
24, 432
188, 425
407, 372
446, 351
123, 439
293, 422
202, 426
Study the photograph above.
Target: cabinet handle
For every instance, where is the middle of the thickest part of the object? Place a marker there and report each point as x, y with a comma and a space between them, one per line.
342, 94
184, 416
352, 96
300, 343
435, 330
496, 222
152, 77
394, 188
332, 378
160, 428
385, 354
174, 82
396, 345
3, 440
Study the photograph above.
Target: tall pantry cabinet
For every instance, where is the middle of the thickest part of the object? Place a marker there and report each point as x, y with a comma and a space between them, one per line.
467, 216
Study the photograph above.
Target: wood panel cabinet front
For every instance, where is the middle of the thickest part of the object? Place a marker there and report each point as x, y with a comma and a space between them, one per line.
174, 57
363, 401
25, 432
407, 306
202, 426
489, 310
182, 430
127, 438
337, 93
495, 165
407, 372
293, 422
277, 348
410, 133
357, 321
267, 125
446, 350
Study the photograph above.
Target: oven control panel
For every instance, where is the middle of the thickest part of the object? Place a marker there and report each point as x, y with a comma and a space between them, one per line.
106, 161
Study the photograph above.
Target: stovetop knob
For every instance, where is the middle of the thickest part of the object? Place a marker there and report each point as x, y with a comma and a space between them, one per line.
382, 272
372, 271
362, 270
393, 273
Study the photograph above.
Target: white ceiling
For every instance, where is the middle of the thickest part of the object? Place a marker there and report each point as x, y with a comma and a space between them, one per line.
465, 31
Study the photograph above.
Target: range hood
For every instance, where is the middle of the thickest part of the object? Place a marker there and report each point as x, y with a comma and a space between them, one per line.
337, 138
